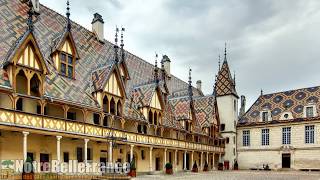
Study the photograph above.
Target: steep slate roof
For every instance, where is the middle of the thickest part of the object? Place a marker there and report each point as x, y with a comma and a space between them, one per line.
277, 103
225, 83
205, 110
95, 59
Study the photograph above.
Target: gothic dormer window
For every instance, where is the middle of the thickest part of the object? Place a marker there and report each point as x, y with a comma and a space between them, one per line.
64, 50
27, 66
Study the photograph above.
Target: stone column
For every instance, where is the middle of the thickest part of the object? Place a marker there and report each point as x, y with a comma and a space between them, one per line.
110, 152
201, 161
213, 166
164, 158
192, 158
185, 161
58, 152
207, 158
131, 152
150, 160
25, 145
86, 151
220, 160
175, 160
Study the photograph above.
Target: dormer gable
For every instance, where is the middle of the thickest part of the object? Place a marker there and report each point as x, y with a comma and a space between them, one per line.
114, 86
26, 53
65, 54
156, 100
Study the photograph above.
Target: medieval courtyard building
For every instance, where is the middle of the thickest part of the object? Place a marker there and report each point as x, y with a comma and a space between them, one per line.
67, 93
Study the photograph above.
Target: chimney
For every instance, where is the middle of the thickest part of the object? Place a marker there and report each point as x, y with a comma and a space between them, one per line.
35, 5
199, 85
97, 26
243, 106
166, 63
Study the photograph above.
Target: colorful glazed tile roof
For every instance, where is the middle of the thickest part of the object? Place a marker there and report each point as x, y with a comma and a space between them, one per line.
292, 101
205, 111
92, 67
225, 84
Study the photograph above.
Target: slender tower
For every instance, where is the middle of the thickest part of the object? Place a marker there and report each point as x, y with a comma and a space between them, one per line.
227, 100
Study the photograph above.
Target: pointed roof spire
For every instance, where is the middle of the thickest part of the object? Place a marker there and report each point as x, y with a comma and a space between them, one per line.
261, 92
225, 84
68, 16
116, 47
156, 77
122, 44
219, 62
225, 51
190, 84
30, 16
234, 78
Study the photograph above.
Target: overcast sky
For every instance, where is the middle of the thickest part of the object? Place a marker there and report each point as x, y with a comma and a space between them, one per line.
272, 44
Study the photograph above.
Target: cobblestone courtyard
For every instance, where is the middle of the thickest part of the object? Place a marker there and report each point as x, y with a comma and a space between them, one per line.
237, 175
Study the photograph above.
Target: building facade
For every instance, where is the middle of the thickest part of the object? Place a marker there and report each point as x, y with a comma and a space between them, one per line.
280, 130
66, 94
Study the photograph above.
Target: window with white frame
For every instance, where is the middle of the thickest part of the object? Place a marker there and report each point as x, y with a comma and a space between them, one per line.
286, 135
309, 111
246, 138
265, 137
265, 116
309, 134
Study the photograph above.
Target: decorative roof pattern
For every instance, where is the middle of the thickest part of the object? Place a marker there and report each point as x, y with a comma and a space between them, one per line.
292, 101
100, 76
91, 69
142, 95
224, 83
205, 110
181, 107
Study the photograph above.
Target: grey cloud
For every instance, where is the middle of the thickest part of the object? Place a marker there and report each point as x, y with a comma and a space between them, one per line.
272, 44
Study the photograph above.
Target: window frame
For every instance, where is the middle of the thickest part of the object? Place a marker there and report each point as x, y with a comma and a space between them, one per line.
67, 64
265, 137
309, 134
246, 138
262, 116
308, 115
286, 135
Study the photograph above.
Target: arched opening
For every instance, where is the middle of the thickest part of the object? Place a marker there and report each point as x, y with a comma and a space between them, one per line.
5, 101
150, 117
105, 121
119, 108
155, 118
21, 83
54, 110
112, 107
75, 114
35, 85
28, 105
105, 104
159, 119
145, 129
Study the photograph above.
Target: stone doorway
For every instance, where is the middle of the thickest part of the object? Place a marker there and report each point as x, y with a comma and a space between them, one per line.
286, 160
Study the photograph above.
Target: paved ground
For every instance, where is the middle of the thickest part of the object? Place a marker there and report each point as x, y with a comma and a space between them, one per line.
237, 175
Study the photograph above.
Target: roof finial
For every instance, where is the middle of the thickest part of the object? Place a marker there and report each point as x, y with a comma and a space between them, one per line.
122, 44
261, 92
116, 45
190, 81
225, 51
190, 86
156, 78
30, 14
219, 62
68, 16
234, 78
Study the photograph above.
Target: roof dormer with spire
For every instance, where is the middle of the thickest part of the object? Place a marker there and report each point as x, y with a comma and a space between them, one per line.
225, 84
